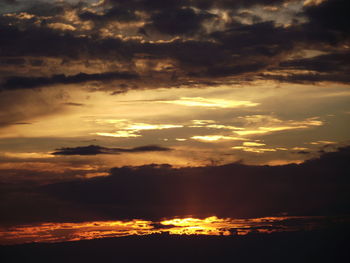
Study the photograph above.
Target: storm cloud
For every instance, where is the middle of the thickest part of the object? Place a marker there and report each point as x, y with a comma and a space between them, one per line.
95, 149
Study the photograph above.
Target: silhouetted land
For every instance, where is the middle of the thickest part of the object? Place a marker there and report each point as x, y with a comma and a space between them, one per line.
329, 245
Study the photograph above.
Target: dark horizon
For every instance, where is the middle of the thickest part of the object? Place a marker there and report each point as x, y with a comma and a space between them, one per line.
317, 187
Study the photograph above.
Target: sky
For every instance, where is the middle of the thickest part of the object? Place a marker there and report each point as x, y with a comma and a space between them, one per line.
90, 87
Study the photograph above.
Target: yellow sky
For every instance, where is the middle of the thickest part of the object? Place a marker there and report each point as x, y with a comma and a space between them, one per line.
201, 126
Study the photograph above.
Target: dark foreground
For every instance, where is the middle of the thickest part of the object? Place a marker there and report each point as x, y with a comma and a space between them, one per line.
314, 246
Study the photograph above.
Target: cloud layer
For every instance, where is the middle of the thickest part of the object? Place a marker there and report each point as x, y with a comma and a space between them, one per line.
316, 187
183, 40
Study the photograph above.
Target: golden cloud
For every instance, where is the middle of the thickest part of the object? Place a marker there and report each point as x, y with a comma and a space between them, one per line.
263, 124
213, 138
211, 103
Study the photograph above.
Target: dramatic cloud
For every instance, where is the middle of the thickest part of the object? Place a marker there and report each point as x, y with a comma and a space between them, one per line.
330, 15
95, 149
194, 40
179, 21
324, 63
332, 67
26, 82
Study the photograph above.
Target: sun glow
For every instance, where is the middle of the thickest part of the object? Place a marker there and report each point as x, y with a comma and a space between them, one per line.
59, 232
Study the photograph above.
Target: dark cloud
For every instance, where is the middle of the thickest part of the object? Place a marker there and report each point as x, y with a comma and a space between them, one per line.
264, 38
179, 21
310, 77
231, 190
303, 152
333, 62
35, 82
328, 23
332, 67
113, 14
230, 50
231, 70
317, 187
12, 61
320, 186
73, 104
147, 5
46, 8
156, 5
242, 3
330, 15
95, 149
39, 42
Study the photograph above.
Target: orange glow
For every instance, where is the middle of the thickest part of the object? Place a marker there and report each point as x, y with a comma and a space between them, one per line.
59, 232
253, 149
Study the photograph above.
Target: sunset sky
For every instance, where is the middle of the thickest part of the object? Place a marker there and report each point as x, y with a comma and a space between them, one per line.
209, 82
90, 86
